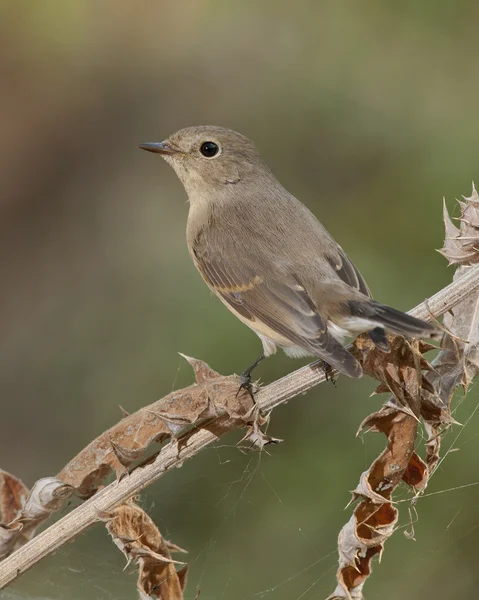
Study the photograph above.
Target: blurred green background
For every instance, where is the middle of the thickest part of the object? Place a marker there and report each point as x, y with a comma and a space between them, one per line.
368, 112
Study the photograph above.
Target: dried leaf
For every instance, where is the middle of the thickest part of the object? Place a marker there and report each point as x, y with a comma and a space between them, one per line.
139, 539
458, 362
212, 397
212, 403
47, 495
461, 245
398, 371
126, 456
414, 395
416, 474
374, 519
13, 494
256, 435
29, 509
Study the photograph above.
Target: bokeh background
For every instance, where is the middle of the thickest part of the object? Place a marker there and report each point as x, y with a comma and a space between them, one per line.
368, 112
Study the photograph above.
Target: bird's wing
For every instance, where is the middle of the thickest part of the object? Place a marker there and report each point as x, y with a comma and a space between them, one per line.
280, 303
348, 273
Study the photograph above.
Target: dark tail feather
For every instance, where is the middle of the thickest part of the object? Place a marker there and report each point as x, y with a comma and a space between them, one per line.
394, 320
345, 363
335, 354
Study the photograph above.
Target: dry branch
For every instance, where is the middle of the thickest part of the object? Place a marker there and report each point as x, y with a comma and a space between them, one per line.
190, 443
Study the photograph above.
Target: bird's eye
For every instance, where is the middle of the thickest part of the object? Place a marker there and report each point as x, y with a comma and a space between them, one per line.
209, 149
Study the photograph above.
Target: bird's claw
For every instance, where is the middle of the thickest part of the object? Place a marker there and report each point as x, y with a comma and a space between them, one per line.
245, 378
246, 385
328, 372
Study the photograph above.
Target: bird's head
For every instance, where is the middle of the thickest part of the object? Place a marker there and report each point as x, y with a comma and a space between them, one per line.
208, 158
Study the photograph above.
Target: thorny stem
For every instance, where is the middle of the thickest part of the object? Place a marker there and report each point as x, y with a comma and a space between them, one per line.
267, 398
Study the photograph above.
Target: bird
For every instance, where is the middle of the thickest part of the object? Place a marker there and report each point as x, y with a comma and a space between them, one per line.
267, 257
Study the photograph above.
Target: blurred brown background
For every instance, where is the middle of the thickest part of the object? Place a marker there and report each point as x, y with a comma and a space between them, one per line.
368, 113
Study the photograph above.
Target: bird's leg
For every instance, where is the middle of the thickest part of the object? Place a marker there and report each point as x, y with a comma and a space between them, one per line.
246, 377
328, 372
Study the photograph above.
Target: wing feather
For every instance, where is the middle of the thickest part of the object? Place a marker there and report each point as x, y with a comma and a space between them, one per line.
280, 302
348, 273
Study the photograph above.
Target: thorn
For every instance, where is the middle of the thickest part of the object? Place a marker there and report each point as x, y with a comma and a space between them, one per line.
174, 547
174, 424
203, 372
126, 456
124, 412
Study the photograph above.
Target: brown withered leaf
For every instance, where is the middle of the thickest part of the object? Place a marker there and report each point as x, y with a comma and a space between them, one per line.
13, 494
461, 244
135, 534
399, 371
415, 395
416, 473
30, 509
210, 397
458, 362
126, 456
374, 518
255, 434
46, 496
212, 403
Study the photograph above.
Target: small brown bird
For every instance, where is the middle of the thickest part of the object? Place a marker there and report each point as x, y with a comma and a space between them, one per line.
268, 258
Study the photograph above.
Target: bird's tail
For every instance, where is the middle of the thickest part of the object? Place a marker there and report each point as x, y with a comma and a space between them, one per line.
393, 320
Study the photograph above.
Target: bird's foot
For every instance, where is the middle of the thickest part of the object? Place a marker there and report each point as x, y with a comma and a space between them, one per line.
246, 385
245, 379
328, 372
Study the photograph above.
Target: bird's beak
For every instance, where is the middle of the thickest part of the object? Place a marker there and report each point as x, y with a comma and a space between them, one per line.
158, 147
